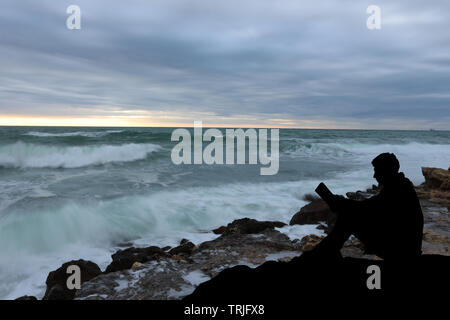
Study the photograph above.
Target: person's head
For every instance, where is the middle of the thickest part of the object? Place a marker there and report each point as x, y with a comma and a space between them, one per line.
385, 167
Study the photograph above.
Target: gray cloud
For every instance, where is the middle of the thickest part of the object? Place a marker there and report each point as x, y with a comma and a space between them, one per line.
231, 59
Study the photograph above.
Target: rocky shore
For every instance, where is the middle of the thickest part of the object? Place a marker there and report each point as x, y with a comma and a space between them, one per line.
173, 273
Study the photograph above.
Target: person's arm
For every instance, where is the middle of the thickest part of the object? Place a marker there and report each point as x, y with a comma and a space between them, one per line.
341, 204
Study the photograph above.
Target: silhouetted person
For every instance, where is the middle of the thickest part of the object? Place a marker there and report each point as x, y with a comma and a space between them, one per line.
389, 224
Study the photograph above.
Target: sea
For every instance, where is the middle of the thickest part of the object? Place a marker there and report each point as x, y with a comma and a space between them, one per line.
82, 193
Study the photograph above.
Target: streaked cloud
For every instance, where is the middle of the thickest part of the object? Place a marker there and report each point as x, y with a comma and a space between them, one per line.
268, 63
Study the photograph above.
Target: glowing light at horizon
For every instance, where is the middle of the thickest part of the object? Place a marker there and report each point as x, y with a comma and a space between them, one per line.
127, 121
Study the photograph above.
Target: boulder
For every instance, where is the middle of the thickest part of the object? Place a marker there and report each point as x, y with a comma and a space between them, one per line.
59, 292
220, 230
185, 247
436, 178
313, 213
124, 259
57, 280
436, 187
362, 195
248, 226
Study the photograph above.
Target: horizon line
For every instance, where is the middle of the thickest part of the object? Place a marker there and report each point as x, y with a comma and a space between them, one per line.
158, 121
222, 126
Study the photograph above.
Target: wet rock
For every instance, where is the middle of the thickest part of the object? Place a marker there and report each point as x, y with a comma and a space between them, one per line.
313, 213
362, 195
435, 241
322, 226
57, 279
310, 241
185, 247
436, 178
436, 187
172, 277
248, 226
124, 259
220, 230
59, 292
355, 249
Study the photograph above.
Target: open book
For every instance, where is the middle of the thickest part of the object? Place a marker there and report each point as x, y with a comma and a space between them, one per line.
325, 193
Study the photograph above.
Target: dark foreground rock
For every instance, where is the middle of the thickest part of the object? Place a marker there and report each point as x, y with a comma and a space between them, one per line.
309, 279
57, 280
185, 248
248, 226
124, 259
315, 212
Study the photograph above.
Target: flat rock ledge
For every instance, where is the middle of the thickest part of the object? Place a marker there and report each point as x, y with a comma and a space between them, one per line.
175, 276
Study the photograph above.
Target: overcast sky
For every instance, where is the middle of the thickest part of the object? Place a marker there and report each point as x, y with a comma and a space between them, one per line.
241, 63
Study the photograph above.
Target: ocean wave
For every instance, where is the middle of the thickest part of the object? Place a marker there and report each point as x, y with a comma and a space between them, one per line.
29, 155
93, 134
357, 150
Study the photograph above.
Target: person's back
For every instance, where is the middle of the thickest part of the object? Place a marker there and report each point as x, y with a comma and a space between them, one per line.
397, 219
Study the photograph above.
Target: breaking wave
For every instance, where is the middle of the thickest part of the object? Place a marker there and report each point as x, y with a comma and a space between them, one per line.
29, 155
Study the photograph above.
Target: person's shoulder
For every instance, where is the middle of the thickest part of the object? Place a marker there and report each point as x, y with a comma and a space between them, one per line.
404, 180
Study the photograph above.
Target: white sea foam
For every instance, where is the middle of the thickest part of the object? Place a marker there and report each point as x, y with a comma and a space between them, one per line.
29, 155
196, 277
297, 232
282, 255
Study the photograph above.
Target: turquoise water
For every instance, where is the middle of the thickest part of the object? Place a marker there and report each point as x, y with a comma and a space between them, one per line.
69, 193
